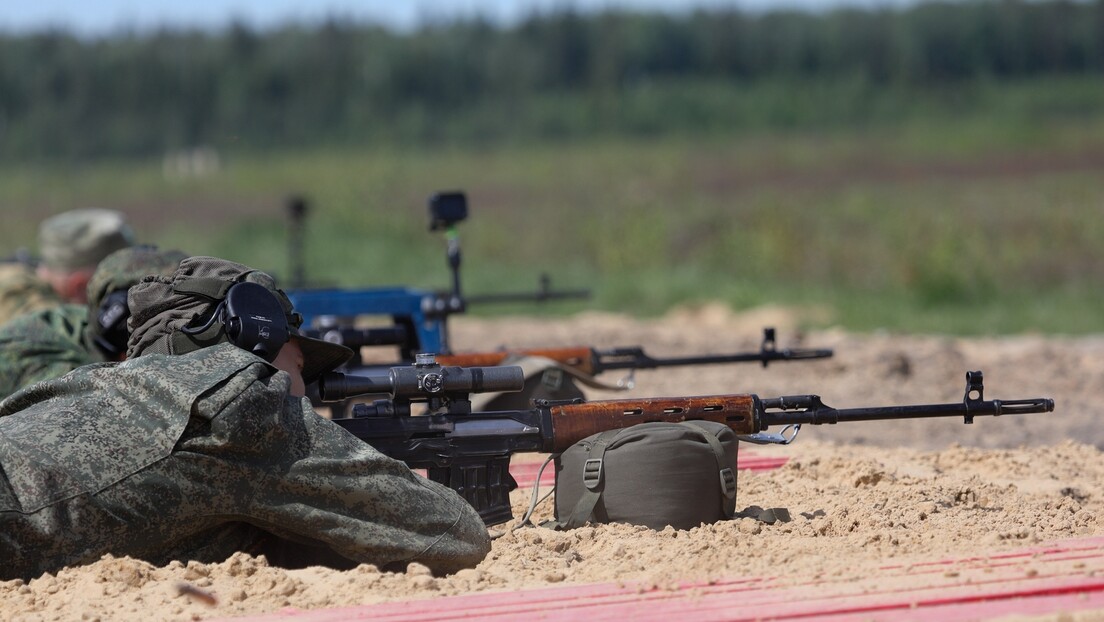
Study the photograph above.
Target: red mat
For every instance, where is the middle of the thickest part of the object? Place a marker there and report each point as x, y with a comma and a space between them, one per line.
1030, 581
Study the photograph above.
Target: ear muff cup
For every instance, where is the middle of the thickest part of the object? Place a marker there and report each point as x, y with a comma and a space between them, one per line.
255, 320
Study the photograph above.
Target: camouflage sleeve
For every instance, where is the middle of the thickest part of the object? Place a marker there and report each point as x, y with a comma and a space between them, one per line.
22, 292
319, 485
38, 346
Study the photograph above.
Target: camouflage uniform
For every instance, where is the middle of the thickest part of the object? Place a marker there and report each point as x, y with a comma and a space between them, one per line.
51, 342
44, 345
22, 292
196, 454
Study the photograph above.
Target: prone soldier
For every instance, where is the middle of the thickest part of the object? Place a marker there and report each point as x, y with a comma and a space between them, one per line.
201, 444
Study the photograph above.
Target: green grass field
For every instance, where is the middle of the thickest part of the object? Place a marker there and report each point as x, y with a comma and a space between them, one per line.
971, 226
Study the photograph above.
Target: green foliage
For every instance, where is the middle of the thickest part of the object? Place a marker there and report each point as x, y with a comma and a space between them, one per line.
555, 76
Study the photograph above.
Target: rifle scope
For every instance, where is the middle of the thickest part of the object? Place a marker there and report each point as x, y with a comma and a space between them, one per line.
422, 382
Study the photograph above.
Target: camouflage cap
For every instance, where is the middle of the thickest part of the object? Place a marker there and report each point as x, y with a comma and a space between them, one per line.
161, 307
107, 314
82, 238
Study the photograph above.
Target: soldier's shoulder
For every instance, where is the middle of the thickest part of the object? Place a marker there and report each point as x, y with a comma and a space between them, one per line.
21, 292
169, 381
222, 355
202, 367
62, 323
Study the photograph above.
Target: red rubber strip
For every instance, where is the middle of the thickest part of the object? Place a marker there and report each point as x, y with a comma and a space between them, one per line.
1053, 578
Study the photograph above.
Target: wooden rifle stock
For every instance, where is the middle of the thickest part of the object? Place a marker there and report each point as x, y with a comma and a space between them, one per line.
581, 358
573, 422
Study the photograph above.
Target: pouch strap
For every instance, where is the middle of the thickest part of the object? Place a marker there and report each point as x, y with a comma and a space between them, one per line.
724, 470
593, 481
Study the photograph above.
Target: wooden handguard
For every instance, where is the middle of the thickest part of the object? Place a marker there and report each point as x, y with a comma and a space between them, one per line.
580, 358
573, 422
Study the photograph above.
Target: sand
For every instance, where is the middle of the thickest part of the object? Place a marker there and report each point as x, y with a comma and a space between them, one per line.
858, 497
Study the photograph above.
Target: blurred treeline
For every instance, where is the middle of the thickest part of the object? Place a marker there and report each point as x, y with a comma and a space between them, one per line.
556, 75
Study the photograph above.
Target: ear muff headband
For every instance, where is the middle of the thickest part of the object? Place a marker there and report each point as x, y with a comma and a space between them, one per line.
252, 318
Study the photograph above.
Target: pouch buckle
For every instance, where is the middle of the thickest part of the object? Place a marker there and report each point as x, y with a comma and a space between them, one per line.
728, 483
592, 473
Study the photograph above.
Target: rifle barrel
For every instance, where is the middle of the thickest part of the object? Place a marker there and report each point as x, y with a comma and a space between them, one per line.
634, 358
537, 296
808, 409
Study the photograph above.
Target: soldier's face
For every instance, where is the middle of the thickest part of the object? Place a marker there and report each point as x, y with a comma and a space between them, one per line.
290, 359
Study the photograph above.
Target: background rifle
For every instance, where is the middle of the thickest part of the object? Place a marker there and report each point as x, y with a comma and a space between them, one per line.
586, 359
470, 452
583, 359
594, 361
423, 314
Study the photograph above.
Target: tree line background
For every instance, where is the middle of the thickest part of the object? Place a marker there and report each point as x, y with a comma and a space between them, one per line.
551, 76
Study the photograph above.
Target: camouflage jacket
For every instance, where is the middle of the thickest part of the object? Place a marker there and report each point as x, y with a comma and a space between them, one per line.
43, 345
23, 292
195, 456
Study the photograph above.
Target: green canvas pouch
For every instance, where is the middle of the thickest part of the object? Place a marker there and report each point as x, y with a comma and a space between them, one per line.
653, 474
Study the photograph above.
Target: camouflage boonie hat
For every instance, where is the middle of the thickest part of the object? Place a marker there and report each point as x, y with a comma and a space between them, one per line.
82, 238
161, 307
107, 305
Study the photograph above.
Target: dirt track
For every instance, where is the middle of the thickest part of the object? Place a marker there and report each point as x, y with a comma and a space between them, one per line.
899, 493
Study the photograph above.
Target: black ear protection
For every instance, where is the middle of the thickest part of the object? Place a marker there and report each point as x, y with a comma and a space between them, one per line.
111, 319
252, 318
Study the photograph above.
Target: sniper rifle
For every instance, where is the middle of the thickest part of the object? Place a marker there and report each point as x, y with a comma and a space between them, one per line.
470, 452
593, 361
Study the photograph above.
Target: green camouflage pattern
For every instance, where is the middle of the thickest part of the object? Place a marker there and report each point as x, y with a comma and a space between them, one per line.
43, 345
198, 455
82, 238
21, 292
